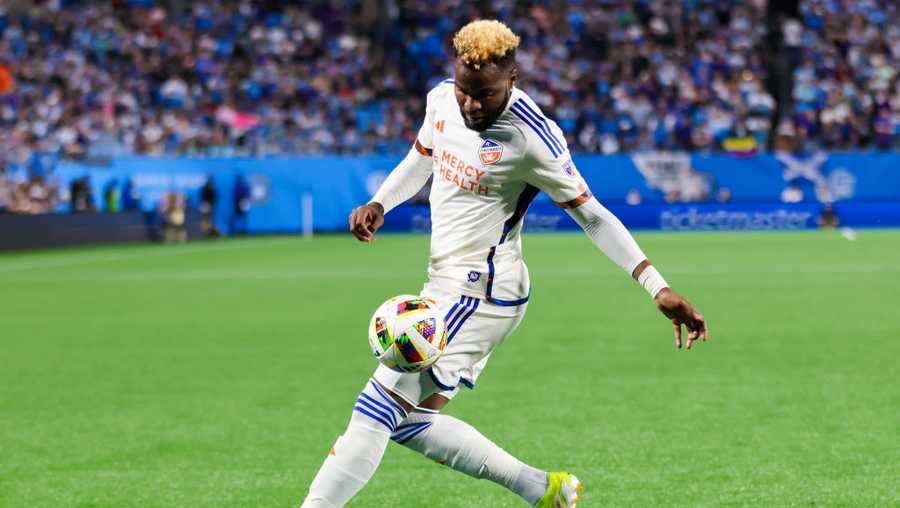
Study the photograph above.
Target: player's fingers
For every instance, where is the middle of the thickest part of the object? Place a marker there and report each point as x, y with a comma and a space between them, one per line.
377, 222
693, 331
361, 232
357, 218
692, 336
677, 326
704, 329
371, 226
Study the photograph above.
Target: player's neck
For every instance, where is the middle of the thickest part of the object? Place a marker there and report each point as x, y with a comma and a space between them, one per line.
506, 102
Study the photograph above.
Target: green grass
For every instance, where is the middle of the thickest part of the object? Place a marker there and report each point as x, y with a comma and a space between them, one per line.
220, 374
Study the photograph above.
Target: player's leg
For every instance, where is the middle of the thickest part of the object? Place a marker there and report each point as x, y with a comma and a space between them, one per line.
478, 329
456, 444
381, 407
460, 446
359, 450
355, 456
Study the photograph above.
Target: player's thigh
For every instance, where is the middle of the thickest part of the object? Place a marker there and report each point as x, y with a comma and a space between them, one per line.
474, 328
471, 340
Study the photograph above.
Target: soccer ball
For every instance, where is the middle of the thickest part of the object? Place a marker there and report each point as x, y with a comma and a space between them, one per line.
407, 333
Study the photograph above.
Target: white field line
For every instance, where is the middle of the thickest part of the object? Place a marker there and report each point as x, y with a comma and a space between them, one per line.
419, 274
161, 251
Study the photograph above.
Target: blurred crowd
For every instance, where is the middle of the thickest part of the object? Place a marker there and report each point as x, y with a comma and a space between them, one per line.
83, 79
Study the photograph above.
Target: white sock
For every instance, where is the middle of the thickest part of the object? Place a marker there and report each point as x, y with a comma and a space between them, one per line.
357, 453
457, 444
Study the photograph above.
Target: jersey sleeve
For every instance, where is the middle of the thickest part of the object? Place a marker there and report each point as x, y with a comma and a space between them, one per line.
425, 138
548, 164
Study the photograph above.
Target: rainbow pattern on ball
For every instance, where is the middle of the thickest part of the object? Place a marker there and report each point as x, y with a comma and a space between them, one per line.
381, 331
407, 333
408, 350
405, 307
426, 329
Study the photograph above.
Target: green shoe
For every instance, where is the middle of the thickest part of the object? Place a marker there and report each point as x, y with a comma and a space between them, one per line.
562, 491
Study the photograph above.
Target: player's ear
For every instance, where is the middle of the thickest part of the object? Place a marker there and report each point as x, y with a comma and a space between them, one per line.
513, 75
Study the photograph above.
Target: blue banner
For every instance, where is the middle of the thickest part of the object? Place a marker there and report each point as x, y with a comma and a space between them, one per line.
691, 217
671, 191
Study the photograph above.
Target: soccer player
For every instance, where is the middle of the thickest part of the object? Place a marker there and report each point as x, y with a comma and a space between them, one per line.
490, 151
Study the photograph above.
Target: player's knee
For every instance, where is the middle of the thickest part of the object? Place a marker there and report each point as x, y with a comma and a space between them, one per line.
355, 451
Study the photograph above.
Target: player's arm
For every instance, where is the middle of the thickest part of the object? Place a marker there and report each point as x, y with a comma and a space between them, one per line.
550, 168
608, 233
403, 183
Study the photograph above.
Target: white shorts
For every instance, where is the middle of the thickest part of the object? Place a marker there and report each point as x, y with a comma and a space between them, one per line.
474, 328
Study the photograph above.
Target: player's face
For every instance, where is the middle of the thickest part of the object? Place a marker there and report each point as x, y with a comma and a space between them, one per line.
482, 94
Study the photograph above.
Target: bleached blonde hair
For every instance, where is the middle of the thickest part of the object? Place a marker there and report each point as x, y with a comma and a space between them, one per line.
484, 41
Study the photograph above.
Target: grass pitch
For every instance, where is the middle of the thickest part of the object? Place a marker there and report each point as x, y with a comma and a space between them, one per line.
219, 374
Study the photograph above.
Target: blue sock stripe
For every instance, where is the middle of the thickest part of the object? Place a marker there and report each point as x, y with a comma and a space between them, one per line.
463, 320
542, 120
386, 399
462, 311
398, 434
413, 434
390, 400
406, 426
365, 398
403, 430
372, 416
386, 415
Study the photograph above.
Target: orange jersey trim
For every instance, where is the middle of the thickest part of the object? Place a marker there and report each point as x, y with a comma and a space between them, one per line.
575, 203
422, 150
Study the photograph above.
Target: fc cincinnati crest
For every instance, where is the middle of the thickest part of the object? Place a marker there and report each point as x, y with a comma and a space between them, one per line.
490, 151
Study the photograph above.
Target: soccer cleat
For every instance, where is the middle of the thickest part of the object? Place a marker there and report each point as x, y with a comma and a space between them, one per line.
563, 491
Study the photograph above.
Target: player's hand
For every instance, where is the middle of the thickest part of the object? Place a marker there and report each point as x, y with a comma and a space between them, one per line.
365, 221
681, 312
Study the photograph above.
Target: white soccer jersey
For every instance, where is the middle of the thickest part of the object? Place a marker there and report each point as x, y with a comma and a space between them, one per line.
483, 183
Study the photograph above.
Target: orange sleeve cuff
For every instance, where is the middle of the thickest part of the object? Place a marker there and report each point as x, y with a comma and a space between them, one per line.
575, 203
422, 150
